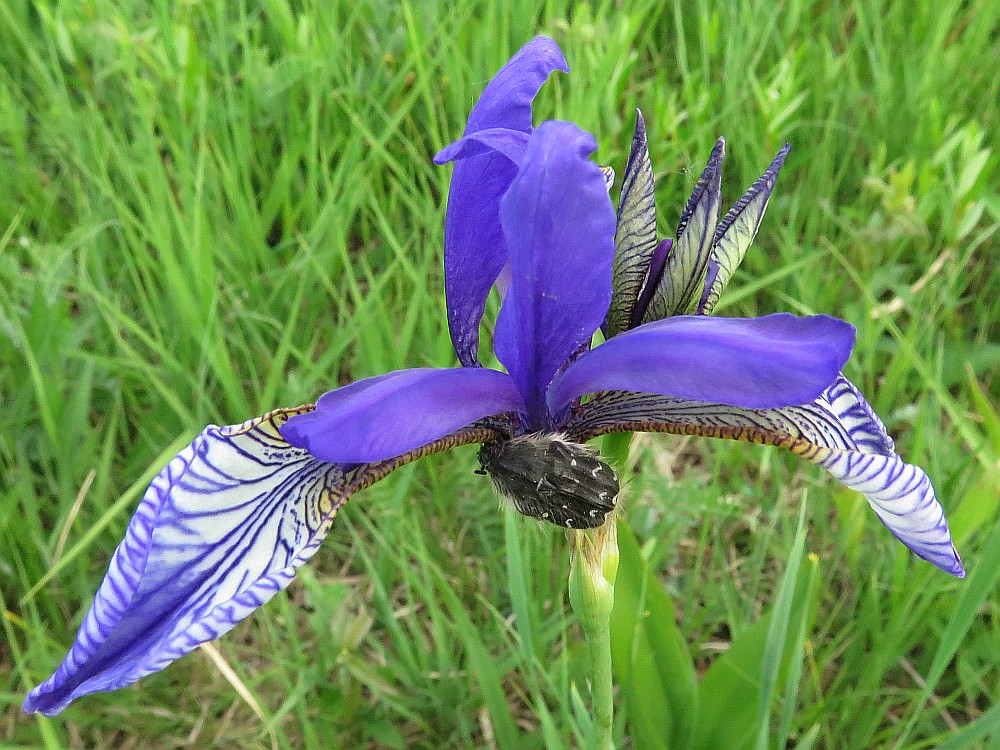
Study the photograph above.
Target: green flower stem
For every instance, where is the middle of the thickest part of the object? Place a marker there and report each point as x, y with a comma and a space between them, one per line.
602, 687
592, 595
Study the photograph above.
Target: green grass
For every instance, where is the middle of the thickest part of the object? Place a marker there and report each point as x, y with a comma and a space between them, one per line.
208, 210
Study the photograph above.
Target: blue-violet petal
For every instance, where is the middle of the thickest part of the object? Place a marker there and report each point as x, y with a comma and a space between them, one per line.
397, 414
473, 242
559, 227
777, 360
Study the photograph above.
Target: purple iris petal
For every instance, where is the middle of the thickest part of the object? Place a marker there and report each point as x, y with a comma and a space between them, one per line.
559, 228
352, 390
394, 415
473, 241
773, 361
711, 274
220, 531
506, 101
503, 281
510, 143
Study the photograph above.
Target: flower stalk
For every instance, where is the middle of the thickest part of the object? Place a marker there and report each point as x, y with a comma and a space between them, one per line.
593, 570
592, 595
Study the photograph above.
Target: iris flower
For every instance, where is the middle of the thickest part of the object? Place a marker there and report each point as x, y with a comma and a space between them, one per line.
223, 527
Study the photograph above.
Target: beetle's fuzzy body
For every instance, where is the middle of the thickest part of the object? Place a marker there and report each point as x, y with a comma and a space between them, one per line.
549, 477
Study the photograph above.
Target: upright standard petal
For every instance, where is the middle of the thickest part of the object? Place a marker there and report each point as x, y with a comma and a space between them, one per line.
776, 360
474, 251
839, 431
506, 100
219, 532
559, 228
395, 414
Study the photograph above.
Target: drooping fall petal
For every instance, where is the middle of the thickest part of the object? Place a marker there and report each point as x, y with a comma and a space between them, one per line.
221, 529
839, 431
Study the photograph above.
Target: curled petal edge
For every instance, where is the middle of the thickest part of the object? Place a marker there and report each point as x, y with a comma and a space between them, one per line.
510, 143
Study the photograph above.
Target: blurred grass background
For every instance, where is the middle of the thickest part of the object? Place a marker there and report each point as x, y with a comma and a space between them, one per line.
211, 209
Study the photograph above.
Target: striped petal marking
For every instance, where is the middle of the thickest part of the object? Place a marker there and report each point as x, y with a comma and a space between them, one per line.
635, 234
609, 176
221, 529
680, 289
839, 431
736, 232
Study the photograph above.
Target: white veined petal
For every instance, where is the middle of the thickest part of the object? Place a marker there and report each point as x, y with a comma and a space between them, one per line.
220, 530
902, 497
858, 418
839, 431
900, 494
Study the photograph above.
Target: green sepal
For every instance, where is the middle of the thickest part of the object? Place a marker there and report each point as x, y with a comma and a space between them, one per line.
635, 236
679, 290
736, 232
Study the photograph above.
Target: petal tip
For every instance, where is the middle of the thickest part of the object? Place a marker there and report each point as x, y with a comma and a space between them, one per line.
29, 706
550, 47
715, 158
955, 568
